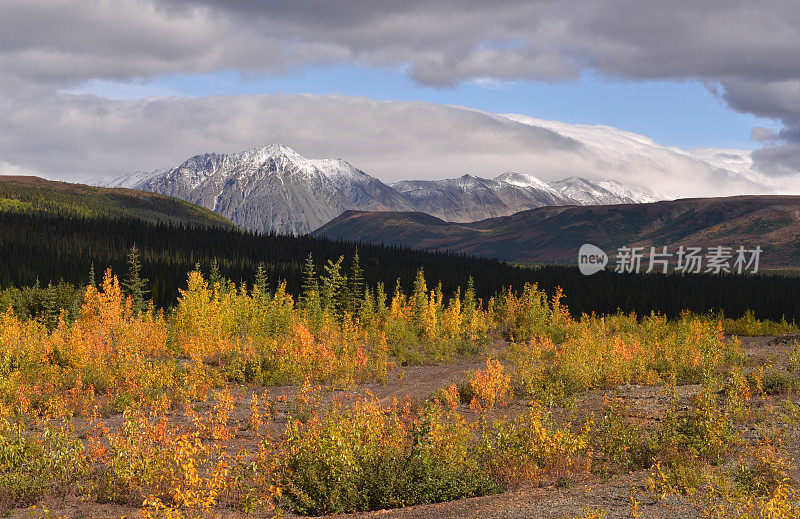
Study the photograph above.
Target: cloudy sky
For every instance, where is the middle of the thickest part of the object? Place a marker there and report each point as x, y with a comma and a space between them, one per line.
687, 97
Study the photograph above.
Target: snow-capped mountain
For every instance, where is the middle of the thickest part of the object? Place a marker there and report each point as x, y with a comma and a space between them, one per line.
628, 194
603, 192
580, 191
129, 180
275, 189
469, 198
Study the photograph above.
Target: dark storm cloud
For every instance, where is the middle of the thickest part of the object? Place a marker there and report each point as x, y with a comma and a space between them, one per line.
60, 43
778, 99
780, 160
780, 156
713, 40
745, 50
442, 41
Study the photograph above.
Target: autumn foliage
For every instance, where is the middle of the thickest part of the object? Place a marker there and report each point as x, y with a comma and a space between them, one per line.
174, 379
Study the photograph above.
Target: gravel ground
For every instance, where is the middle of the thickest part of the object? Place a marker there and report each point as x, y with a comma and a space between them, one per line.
613, 496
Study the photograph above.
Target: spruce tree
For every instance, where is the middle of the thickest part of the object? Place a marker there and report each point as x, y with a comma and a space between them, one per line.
420, 297
380, 301
214, 277
309, 283
355, 286
310, 296
261, 281
92, 277
50, 309
134, 284
333, 285
366, 308
468, 306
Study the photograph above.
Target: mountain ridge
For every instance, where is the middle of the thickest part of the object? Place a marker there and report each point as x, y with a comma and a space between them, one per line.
554, 234
275, 189
30, 194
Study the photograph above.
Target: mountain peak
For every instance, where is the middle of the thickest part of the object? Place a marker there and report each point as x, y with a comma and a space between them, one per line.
261, 154
274, 188
470, 180
522, 180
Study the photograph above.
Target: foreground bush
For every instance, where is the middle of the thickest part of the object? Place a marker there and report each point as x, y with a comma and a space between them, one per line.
35, 464
757, 486
177, 452
108, 350
748, 325
369, 458
528, 450
607, 352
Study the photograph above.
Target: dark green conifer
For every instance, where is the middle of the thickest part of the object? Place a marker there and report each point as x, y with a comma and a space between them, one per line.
134, 284
92, 277
214, 277
261, 281
333, 286
355, 286
50, 309
420, 300
380, 301
309, 283
468, 306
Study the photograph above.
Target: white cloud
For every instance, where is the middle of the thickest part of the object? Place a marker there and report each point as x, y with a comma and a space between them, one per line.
83, 136
669, 171
748, 49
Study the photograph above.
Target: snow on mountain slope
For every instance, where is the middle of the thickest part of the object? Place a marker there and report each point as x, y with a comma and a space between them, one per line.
129, 180
635, 195
522, 180
275, 189
603, 192
468, 198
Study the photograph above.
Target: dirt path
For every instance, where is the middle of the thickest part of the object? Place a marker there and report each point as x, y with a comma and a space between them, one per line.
612, 496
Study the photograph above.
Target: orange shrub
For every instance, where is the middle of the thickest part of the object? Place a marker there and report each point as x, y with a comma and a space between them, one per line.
252, 337
490, 386
528, 450
107, 350
608, 351
107, 343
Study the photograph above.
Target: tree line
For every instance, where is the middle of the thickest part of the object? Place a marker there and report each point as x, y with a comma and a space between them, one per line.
46, 260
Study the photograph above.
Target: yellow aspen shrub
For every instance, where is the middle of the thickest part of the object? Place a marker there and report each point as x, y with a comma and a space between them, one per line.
453, 321
491, 386
107, 348
169, 464
528, 450
429, 318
